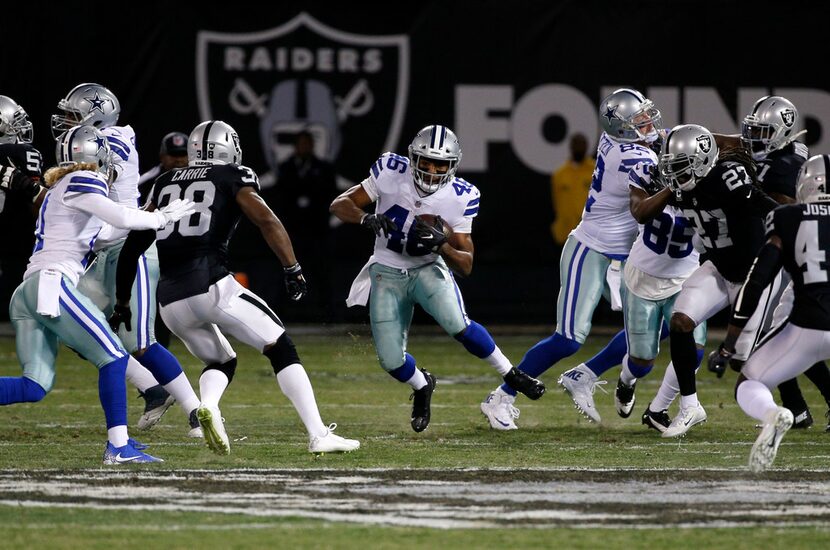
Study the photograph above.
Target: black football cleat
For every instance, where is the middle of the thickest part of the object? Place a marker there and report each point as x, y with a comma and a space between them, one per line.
524, 384
420, 403
802, 419
624, 398
659, 421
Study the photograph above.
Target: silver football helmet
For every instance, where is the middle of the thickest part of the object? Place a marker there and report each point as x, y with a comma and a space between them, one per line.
812, 180
213, 142
85, 144
626, 115
688, 154
772, 125
15, 126
87, 103
440, 145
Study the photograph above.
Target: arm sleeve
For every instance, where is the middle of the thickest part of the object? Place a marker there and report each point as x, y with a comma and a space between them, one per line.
114, 214
135, 245
763, 271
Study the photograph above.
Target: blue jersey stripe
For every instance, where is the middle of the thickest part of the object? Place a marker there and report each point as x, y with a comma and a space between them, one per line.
116, 141
86, 189
473, 202
471, 211
119, 151
88, 181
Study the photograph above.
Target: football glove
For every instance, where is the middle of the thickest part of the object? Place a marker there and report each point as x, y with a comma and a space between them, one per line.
430, 236
120, 314
378, 223
718, 360
12, 179
654, 183
295, 284
175, 211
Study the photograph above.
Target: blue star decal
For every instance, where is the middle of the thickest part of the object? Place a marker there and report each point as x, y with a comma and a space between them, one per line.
100, 141
95, 103
611, 113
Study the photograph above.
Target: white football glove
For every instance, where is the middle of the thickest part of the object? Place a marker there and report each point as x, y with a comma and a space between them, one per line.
175, 211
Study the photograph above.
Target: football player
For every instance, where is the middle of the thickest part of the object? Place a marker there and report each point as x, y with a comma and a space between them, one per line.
47, 308
798, 238
594, 250
414, 260
721, 199
157, 373
199, 296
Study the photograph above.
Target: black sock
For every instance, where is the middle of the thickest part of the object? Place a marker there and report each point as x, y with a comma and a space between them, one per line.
684, 357
791, 396
819, 375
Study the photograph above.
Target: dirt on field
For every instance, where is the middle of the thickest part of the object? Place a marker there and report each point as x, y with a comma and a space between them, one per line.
447, 498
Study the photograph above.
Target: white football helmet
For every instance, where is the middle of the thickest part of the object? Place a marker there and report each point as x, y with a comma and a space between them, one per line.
87, 104
439, 144
85, 144
812, 180
213, 142
15, 126
626, 115
688, 154
772, 125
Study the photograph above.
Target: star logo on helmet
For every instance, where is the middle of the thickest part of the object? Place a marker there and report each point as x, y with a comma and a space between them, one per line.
100, 141
611, 113
95, 103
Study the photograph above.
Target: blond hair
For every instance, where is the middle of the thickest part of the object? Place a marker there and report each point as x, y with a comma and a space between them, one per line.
54, 174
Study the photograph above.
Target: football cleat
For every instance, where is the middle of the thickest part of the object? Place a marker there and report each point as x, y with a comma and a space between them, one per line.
499, 410
776, 424
195, 427
420, 403
802, 419
156, 403
685, 419
624, 398
581, 383
524, 384
126, 455
656, 420
214, 429
137, 445
331, 443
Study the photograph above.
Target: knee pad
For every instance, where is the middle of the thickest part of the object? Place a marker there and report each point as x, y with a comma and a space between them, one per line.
282, 353
639, 371
228, 368
405, 371
567, 346
477, 340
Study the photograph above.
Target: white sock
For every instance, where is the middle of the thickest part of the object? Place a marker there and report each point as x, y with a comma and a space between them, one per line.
139, 376
625, 375
296, 386
418, 380
669, 389
755, 399
499, 361
689, 401
181, 389
212, 385
118, 436
503, 393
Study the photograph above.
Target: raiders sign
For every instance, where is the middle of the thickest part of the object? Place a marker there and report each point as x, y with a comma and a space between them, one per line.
304, 75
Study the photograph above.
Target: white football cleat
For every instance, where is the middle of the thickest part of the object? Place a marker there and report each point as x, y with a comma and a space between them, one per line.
777, 423
331, 443
213, 429
581, 383
685, 419
499, 410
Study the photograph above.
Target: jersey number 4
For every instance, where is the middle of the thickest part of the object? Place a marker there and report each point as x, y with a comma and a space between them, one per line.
202, 194
808, 255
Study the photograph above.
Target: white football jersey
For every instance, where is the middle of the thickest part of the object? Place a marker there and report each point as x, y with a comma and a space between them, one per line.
390, 184
124, 189
607, 225
65, 236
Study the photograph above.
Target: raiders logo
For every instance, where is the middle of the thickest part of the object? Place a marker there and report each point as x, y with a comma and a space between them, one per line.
788, 117
704, 143
306, 76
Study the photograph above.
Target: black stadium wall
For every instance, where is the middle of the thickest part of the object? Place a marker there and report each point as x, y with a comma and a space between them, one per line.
514, 79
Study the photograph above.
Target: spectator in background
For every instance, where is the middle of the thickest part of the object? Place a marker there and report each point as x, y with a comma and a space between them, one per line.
173, 154
569, 186
305, 187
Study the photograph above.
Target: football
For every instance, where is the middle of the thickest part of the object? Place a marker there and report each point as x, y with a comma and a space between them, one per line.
429, 219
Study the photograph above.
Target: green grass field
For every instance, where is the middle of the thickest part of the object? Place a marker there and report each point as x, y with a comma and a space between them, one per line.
63, 437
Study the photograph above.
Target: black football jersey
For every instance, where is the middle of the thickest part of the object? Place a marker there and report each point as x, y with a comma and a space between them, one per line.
778, 172
18, 216
727, 211
22, 156
804, 230
193, 252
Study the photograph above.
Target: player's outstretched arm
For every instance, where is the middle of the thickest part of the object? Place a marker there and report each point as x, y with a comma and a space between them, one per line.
349, 206
272, 229
643, 207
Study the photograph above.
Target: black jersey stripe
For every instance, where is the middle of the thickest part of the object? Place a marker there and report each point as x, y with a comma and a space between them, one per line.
205, 138
251, 299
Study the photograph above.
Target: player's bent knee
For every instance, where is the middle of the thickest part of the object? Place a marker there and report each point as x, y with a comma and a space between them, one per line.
34, 391
681, 322
282, 353
741, 379
228, 368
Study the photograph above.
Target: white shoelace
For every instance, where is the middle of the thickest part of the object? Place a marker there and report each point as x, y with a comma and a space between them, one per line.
599, 384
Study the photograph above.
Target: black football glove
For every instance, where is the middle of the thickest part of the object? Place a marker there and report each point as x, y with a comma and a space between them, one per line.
718, 360
295, 284
431, 236
378, 223
12, 179
655, 183
120, 314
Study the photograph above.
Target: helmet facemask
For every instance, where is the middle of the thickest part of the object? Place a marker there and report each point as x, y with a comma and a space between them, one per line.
431, 181
439, 146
